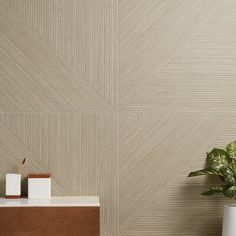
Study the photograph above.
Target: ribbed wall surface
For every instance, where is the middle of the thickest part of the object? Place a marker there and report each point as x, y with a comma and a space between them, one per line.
121, 99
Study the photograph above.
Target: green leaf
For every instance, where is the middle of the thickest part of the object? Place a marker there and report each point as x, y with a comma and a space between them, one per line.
233, 167
221, 163
213, 190
204, 172
227, 176
218, 159
231, 149
230, 191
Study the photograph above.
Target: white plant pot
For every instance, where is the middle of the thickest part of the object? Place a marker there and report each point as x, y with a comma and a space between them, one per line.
229, 220
13, 185
39, 187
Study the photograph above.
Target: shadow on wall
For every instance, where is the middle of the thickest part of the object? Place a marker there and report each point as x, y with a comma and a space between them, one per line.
2, 187
201, 215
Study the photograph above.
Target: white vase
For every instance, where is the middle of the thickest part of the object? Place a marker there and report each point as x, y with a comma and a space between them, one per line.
13, 185
39, 186
229, 220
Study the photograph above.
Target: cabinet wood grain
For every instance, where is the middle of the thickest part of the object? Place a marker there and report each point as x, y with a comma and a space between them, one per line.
49, 221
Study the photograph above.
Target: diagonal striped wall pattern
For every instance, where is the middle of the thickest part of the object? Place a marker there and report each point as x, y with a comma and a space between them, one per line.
84, 33
59, 97
121, 99
192, 79
79, 149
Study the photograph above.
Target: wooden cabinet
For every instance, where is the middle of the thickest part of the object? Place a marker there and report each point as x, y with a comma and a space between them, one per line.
59, 217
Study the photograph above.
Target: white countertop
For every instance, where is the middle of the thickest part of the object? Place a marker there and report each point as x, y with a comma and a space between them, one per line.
81, 201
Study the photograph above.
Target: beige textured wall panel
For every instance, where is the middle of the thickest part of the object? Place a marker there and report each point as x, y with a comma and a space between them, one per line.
79, 150
201, 76
154, 151
83, 32
152, 33
121, 98
173, 214
58, 76
36, 77
179, 210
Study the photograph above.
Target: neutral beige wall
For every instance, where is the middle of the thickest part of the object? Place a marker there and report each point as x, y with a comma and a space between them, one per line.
121, 99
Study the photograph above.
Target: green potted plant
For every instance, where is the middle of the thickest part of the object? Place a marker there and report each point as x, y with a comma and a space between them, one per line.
222, 163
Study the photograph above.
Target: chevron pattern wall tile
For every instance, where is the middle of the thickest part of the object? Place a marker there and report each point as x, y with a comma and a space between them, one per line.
79, 150
121, 99
40, 72
59, 96
156, 152
82, 32
178, 209
150, 37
